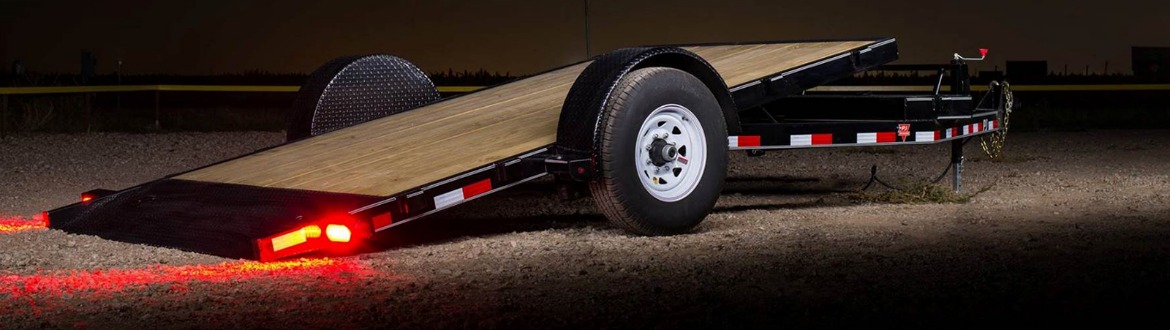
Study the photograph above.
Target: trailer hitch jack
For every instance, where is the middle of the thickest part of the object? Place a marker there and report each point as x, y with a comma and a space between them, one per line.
957, 164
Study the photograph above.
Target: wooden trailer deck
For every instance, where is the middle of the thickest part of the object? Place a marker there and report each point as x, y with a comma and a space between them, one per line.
391, 155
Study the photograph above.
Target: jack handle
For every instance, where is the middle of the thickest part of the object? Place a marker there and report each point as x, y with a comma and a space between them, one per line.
982, 56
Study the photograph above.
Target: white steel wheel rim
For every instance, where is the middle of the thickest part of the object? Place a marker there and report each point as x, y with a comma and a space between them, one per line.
677, 127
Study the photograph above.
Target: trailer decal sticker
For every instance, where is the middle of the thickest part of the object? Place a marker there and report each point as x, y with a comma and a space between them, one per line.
903, 131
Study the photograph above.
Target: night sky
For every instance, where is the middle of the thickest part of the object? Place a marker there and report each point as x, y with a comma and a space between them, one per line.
218, 36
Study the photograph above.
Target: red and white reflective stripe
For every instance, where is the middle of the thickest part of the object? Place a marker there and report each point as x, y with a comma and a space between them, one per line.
972, 128
743, 141
810, 139
879, 137
458, 195
797, 140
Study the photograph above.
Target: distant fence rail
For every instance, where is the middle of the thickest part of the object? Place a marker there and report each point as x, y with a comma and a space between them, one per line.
181, 88
468, 89
1017, 88
5, 92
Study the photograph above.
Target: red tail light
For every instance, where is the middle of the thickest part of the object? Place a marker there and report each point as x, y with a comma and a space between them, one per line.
85, 198
340, 232
312, 231
337, 233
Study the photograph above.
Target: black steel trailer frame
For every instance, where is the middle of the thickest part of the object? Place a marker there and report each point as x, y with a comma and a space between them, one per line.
774, 113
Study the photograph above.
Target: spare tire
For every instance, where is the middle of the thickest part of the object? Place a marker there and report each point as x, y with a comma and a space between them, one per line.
352, 90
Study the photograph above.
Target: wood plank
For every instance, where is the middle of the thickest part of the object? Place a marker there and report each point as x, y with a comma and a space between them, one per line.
749, 64
390, 155
419, 136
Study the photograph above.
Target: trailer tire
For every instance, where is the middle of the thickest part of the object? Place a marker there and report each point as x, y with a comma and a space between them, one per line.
669, 121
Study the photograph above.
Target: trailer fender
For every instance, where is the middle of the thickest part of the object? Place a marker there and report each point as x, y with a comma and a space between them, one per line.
355, 89
578, 129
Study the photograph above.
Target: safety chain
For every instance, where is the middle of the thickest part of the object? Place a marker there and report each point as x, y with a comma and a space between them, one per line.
993, 143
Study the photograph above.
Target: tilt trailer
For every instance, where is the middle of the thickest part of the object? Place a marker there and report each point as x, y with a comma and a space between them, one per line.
371, 145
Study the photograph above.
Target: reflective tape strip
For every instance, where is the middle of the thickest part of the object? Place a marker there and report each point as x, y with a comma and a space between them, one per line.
743, 141
797, 140
382, 220
800, 140
477, 188
449, 198
458, 195
863, 138
822, 139
810, 139
877, 137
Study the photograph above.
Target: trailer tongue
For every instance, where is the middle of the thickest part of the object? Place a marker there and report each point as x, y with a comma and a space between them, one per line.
647, 128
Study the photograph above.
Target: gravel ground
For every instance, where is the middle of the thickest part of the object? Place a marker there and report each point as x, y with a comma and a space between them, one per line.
1072, 229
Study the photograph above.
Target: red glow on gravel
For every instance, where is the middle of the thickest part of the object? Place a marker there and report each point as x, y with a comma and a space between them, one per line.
14, 224
177, 277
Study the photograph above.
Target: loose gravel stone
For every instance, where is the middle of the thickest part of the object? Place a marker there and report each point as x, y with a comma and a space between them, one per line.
1072, 228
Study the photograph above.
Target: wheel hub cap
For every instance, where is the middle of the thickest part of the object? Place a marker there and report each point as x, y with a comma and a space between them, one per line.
671, 153
662, 152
